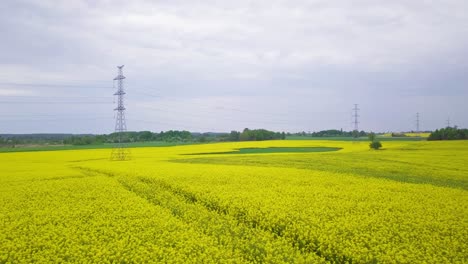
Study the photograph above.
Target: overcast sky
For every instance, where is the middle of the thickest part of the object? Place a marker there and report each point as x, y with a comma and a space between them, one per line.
226, 65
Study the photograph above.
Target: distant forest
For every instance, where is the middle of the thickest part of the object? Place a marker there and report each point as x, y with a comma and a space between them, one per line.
449, 133
333, 133
11, 140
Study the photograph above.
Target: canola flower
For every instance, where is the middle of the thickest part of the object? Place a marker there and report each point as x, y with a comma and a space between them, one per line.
404, 204
412, 134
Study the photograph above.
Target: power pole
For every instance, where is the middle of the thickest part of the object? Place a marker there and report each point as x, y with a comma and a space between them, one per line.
120, 152
356, 122
448, 122
417, 122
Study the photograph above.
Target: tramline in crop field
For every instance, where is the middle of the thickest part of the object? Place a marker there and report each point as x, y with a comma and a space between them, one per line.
205, 203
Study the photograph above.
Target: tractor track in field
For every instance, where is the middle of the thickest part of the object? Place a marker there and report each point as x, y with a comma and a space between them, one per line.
194, 202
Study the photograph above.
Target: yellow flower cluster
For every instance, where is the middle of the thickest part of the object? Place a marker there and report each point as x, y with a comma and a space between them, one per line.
404, 204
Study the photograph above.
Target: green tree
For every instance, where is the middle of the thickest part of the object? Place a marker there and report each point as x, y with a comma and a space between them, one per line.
355, 134
145, 136
449, 133
375, 145
234, 136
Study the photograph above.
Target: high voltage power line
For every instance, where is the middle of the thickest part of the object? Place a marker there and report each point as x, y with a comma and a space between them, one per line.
167, 105
54, 85
210, 117
56, 119
145, 93
184, 126
53, 102
54, 97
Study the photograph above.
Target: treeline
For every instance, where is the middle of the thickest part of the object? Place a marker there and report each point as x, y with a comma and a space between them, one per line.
177, 136
333, 133
11, 140
131, 136
449, 133
256, 135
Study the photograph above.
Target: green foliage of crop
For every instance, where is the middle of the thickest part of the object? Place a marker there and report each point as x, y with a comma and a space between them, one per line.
92, 146
398, 139
403, 204
272, 150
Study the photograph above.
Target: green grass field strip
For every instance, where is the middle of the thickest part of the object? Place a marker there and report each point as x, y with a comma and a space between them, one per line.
377, 168
355, 139
271, 150
97, 146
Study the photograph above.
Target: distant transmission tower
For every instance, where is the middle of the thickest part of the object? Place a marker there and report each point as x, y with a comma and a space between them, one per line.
417, 122
448, 122
356, 122
120, 152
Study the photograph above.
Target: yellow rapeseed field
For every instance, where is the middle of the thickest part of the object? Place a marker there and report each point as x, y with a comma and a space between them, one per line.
406, 203
414, 134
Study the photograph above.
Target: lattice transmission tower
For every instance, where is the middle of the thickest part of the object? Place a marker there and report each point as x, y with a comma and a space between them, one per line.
120, 150
356, 121
417, 123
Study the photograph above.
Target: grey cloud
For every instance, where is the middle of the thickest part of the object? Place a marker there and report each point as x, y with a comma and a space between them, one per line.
263, 54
